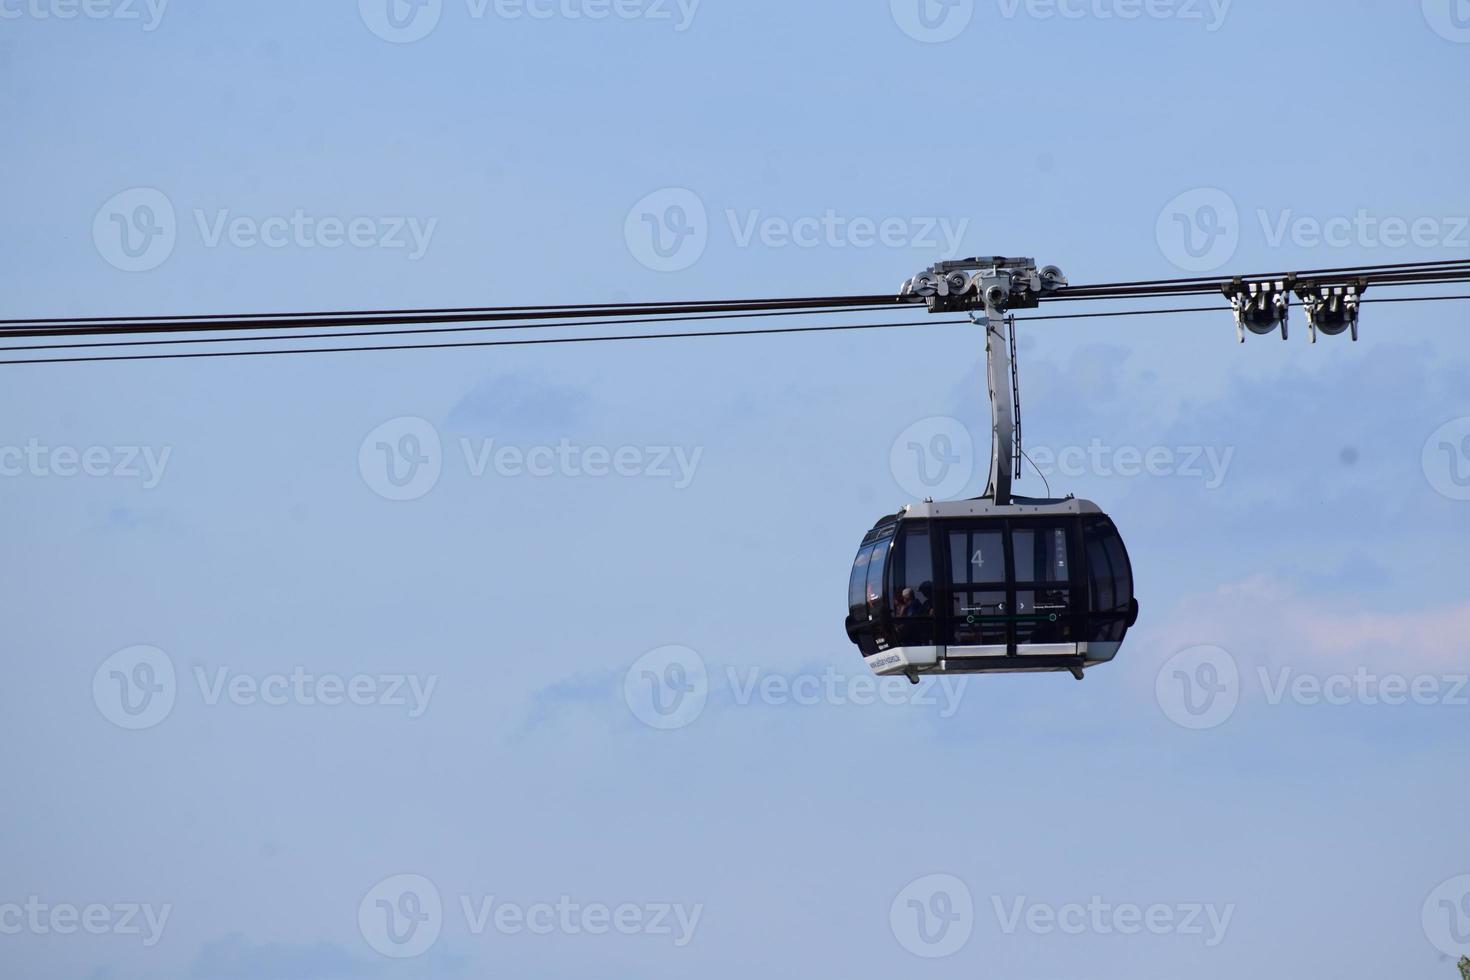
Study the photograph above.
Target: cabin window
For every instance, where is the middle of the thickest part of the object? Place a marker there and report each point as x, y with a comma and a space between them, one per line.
857, 585
1109, 579
977, 557
876, 565
1045, 611
913, 571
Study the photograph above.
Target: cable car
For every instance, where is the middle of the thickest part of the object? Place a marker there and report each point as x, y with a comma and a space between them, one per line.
974, 587
998, 584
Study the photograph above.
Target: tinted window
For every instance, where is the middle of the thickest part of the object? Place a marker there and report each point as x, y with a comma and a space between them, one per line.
857, 596
1100, 575
1109, 581
913, 569
1044, 616
978, 618
1107, 567
977, 557
1041, 554
1122, 576
876, 564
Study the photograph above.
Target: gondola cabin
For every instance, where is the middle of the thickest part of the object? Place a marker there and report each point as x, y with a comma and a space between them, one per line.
969, 587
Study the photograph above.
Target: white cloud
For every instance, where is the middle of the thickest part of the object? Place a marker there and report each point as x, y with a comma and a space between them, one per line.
1266, 620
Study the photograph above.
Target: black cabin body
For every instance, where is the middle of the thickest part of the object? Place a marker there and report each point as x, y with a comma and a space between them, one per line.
968, 587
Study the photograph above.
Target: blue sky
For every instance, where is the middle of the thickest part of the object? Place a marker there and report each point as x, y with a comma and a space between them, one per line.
1297, 541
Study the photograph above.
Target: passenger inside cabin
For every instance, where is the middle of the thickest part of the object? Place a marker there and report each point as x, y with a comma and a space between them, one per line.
926, 596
